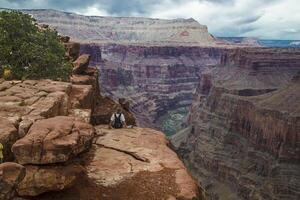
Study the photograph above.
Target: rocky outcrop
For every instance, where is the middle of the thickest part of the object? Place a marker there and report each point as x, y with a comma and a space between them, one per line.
152, 79
131, 164
81, 64
43, 138
104, 109
155, 64
243, 139
11, 174
121, 155
53, 140
8, 136
41, 179
47, 125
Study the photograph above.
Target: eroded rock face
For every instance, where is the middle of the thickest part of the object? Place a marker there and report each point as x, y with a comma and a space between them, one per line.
81, 64
243, 134
11, 174
104, 109
125, 29
72, 50
40, 179
120, 155
53, 140
154, 64
25, 102
153, 79
8, 136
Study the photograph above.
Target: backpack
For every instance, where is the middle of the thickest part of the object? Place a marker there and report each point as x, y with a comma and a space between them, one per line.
117, 122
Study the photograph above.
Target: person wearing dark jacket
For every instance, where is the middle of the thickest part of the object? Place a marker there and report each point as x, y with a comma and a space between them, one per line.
117, 120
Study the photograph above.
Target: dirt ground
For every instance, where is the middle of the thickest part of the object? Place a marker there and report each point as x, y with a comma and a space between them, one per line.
143, 186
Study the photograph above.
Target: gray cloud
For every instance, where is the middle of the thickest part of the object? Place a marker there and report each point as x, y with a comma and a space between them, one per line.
256, 18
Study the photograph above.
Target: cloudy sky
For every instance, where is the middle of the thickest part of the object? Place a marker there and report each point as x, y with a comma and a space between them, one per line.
270, 19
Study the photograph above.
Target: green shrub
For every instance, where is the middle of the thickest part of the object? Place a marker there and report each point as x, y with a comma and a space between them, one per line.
28, 52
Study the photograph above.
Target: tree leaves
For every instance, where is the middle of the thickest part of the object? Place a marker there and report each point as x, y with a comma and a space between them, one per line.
30, 52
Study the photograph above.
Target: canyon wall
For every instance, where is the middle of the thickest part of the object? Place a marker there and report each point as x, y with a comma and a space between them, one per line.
154, 63
126, 30
56, 153
243, 135
153, 79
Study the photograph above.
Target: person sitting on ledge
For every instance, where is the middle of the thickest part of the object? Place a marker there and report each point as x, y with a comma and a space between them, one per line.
117, 120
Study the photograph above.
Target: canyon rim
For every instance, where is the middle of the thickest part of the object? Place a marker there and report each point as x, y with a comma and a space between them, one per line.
236, 108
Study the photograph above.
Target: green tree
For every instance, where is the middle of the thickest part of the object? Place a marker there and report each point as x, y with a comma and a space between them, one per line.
29, 52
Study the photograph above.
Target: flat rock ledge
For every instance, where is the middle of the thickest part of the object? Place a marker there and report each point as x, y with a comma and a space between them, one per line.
139, 160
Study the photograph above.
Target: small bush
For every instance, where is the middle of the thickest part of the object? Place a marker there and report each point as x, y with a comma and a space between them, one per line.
28, 52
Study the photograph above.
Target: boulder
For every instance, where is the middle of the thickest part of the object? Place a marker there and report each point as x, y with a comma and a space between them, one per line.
81, 64
11, 174
8, 136
54, 140
81, 96
40, 179
72, 49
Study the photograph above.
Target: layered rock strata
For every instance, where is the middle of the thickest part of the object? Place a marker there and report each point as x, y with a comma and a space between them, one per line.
243, 135
153, 63
124, 30
45, 126
153, 79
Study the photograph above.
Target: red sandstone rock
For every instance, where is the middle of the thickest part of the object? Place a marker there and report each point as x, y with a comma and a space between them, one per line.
11, 174
81, 96
25, 102
105, 107
121, 155
8, 136
72, 49
41, 179
53, 140
81, 64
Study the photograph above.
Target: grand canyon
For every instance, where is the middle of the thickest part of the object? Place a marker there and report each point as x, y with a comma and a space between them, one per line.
239, 137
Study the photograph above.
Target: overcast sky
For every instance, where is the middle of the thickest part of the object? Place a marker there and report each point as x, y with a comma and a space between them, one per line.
271, 19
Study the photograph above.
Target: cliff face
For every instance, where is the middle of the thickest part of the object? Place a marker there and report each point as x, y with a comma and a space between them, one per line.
153, 63
153, 79
125, 30
243, 135
47, 135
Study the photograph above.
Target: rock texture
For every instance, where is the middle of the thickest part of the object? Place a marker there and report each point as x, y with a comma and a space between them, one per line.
104, 109
125, 29
11, 174
8, 136
47, 124
122, 154
155, 64
152, 79
131, 164
41, 179
243, 135
81, 64
54, 140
